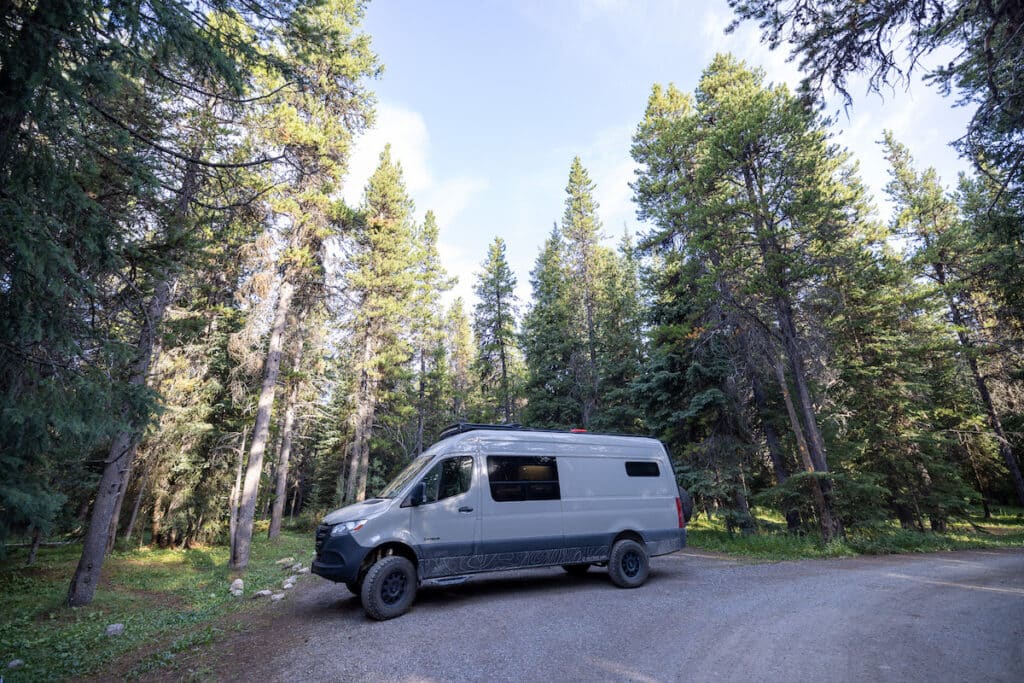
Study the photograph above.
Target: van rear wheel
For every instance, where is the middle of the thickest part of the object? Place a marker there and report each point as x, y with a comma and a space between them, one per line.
577, 569
389, 588
628, 565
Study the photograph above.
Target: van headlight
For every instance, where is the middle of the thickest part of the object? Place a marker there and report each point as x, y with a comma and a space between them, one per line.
347, 527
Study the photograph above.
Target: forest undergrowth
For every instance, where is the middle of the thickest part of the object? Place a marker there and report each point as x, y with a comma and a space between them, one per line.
170, 600
1004, 529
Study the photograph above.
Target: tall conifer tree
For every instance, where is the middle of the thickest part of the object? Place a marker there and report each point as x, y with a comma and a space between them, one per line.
494, 325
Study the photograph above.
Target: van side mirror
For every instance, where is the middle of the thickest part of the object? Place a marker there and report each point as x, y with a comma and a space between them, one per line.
418, 495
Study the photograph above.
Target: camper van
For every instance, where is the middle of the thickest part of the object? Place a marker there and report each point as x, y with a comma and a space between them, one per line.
496, 497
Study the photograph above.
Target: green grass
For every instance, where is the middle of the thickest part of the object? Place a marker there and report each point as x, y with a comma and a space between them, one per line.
168, 600
1004, 530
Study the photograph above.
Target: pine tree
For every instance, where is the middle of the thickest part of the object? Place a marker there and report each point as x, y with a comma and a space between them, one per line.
944, 245
548, 344
383, 282
431, 283
460, 349
741, 178
586, 262
620, 353
494, 327
312, 129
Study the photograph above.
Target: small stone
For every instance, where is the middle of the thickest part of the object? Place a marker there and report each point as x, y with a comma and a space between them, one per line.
288, 586
291, 579
237, 585
15, 663
277, 596
115, 629
304, 570
285, 560
295, 567
265, 593
237, 594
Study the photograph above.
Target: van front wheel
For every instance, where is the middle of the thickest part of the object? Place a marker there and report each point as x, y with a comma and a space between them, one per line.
389, 588
628, 565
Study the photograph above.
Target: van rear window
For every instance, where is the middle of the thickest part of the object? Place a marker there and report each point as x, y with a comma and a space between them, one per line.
642, 469
517, 478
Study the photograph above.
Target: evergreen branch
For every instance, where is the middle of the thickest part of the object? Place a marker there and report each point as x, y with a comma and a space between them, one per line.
178, 155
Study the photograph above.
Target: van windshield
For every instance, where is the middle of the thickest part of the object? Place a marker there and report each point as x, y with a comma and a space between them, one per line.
406, 475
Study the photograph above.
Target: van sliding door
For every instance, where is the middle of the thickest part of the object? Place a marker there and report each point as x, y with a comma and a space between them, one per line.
522, 512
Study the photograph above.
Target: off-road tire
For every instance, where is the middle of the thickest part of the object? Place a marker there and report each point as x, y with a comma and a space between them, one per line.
389, 588
578, 569
628, 565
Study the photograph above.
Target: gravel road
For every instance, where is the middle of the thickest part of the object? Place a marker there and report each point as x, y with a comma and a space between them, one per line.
940, 617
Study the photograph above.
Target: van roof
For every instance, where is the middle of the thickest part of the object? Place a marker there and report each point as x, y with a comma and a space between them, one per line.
465, 431
461, 427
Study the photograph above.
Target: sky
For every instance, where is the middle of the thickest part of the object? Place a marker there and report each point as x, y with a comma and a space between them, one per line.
486, 102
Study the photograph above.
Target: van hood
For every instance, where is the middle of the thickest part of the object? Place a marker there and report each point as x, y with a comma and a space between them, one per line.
367, 509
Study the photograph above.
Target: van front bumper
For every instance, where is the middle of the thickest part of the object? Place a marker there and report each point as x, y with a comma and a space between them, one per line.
338, 558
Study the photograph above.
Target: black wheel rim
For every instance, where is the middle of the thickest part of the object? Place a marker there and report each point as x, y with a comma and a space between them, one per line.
631, 563
393, 587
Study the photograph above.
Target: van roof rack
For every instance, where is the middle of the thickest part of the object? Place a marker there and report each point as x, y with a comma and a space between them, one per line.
460, 427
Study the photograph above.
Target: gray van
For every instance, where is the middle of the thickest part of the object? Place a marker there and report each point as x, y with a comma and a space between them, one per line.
495, 497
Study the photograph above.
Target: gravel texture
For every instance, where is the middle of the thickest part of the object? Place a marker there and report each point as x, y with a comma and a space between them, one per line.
940, 617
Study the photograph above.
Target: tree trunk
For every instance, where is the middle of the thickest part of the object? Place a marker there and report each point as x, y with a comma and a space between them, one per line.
122, 450
115, 519
1005, 448
814, 444
138, 500
233, 498
281, 491
296, 490
774, 443
366, 398
156, 518
118, 462
261, 429
506, 399
37, 538
820, 502
421, 393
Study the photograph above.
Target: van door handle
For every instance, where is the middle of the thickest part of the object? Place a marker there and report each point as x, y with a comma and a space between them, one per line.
465, 509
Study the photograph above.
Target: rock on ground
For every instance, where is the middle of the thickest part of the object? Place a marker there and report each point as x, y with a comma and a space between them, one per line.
115, 629
277, 596
265, 593
15, 663
285, 560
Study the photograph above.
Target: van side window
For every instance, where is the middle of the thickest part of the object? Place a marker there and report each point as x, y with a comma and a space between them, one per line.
515, 478
642, 469
448, 478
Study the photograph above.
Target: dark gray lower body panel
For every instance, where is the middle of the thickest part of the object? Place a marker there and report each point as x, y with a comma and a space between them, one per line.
439, 561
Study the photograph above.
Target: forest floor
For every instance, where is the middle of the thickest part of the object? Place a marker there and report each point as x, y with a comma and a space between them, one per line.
1003, 529
170, 601
180, 618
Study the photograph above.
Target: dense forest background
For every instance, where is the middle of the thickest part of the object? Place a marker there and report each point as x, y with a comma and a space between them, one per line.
196, 332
